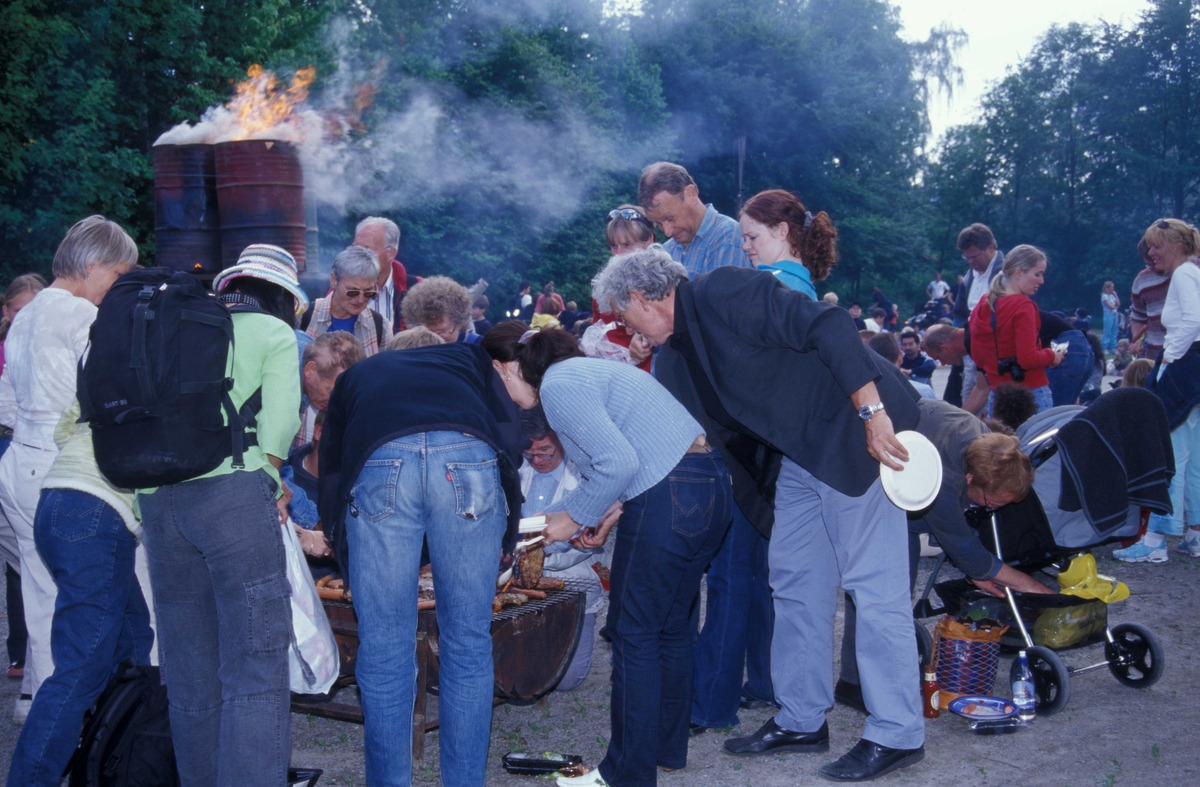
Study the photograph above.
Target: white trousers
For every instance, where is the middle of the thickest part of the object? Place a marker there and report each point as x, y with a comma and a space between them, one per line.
21, 472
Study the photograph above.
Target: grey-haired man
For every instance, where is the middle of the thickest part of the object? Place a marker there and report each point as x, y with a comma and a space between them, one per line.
747, 356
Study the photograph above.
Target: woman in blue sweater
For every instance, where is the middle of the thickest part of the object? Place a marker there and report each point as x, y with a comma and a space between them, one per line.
644, 462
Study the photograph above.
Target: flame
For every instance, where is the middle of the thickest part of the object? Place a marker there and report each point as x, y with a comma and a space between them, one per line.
261, 103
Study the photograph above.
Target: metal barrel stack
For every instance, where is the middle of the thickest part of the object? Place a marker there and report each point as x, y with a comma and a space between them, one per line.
212, 201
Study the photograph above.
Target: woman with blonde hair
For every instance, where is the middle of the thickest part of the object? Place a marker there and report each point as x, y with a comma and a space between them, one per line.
1004, 329
1110, 302
18, 295
1174, 246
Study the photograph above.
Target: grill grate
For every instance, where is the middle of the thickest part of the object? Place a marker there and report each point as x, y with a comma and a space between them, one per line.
531, 607
536, 605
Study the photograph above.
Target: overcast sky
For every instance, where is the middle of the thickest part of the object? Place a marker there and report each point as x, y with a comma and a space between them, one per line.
1001, 33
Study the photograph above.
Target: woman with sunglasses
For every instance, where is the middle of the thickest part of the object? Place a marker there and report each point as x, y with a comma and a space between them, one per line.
627, 230
352, 285
644, 460
1173, 249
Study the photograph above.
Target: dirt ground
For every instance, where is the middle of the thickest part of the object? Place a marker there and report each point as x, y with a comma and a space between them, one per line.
1108, 734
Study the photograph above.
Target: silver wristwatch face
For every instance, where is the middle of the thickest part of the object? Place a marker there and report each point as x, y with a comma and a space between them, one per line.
868, 410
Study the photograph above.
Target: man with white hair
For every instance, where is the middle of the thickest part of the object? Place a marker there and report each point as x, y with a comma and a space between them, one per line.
382, 236
352, 286
749, 357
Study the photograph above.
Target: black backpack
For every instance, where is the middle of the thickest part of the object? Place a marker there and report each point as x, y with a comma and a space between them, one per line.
154, 383
126, 738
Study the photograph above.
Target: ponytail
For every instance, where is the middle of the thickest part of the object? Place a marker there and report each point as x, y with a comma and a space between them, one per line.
1021, 258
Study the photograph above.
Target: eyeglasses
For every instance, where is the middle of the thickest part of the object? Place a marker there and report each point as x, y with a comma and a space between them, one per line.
530, 455
629, 214
974, 256
1163, 224
354, 294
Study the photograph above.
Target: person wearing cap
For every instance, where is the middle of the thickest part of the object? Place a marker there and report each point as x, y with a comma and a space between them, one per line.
980, 470
216, 553
352, 286
728, 341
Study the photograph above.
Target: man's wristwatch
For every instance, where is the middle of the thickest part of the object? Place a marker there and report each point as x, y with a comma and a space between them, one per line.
867, 410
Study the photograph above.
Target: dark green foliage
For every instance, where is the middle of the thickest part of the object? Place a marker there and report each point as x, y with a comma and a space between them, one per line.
87, 87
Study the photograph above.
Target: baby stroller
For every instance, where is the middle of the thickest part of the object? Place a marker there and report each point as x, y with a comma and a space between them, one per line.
1038, 535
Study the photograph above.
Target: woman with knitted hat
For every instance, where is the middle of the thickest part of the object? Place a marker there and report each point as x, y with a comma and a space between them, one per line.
216, 554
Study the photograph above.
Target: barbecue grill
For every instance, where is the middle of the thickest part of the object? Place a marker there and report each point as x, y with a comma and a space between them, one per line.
532, 646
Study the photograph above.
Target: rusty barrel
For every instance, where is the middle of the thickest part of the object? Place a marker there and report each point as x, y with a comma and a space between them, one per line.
186, 229
260, 191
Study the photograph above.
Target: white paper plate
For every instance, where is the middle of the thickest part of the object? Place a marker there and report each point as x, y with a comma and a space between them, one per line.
917, 486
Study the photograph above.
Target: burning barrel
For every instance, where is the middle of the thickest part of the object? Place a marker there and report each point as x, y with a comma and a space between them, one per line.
187, 235
260, 191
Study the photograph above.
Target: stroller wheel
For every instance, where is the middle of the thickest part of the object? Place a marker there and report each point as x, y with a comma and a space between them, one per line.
1135, 655
924, 645
1051, 681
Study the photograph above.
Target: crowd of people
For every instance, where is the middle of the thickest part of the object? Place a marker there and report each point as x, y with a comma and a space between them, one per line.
677, 429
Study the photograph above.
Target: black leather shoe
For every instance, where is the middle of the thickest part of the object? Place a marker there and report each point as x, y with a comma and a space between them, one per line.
697, 729
850, 695
869, 760
772, 738
751, 704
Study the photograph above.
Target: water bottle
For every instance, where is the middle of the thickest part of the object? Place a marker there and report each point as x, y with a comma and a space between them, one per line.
1022, 689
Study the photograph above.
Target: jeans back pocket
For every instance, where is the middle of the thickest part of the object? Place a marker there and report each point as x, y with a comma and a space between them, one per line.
374, 492
75, 516
692, 499
476, 486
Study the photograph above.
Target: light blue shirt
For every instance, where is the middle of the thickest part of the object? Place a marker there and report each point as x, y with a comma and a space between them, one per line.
793, 274
619, 427
541, 490
717, 243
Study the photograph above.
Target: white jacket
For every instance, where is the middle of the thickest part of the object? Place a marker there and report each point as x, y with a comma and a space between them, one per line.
569, 563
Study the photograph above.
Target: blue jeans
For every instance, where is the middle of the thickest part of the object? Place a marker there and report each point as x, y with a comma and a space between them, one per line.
1109, 340
1068, 378
222, 600
738, 621
100, 618
1185, 484
666, 538
443, 487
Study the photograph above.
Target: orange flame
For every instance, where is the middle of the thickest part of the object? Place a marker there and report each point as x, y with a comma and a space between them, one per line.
261, 103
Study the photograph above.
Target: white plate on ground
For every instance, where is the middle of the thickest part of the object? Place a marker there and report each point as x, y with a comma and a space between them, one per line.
917, 486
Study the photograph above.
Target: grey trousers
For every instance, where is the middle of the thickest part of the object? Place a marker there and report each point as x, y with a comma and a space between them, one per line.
821, 539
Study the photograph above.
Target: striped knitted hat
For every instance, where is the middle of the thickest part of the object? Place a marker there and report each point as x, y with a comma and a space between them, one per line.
269, 263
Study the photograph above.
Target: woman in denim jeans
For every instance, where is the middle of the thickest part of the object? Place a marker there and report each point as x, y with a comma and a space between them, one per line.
217, 564
644, 462
422, 444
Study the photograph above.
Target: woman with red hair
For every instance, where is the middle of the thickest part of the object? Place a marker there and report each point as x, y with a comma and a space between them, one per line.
783, 237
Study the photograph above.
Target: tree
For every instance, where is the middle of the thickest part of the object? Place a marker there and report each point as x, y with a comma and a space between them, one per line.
88, 87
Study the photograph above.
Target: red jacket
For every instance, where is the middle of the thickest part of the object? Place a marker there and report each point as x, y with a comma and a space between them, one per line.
1017, 327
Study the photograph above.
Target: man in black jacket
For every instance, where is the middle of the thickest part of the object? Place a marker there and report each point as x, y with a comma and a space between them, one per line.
754, 360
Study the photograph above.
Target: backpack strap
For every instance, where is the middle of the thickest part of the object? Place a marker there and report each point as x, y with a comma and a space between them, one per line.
137, 353
237, 426
378, 326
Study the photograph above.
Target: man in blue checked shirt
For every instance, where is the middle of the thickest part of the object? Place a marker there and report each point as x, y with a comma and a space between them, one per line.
700, 238
738, 615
